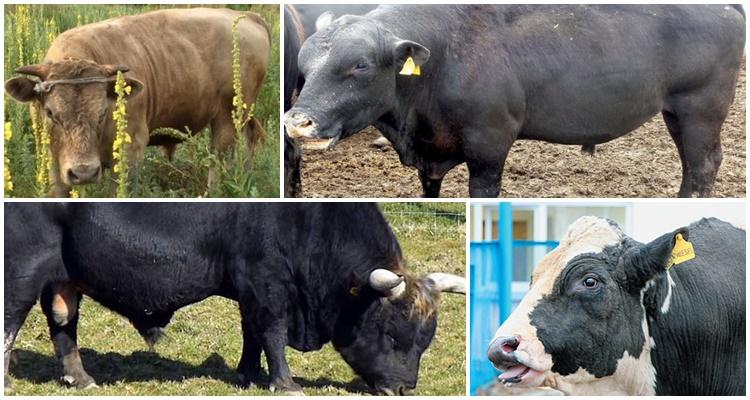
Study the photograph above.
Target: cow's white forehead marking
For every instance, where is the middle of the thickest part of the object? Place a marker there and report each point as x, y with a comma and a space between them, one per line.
589, 235
585, 235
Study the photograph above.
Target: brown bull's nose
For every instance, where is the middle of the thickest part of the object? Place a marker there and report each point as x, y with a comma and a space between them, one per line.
84, 173
501, 350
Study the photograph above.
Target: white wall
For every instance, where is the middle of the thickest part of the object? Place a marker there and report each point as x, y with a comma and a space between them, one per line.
650, 220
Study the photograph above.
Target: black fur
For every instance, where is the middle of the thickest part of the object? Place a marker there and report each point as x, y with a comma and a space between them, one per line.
292, 267
560, 73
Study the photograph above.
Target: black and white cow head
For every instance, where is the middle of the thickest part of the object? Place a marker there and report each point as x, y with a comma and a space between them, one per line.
385, 341
582, 329
351, 68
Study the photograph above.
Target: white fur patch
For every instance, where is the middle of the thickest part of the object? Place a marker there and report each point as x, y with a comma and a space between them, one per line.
589, 235
10, 338
668, 299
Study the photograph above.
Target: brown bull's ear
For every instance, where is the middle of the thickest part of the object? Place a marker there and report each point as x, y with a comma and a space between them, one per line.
649, 260
135, 87
40, 70
403, 49
21, 89
113, 69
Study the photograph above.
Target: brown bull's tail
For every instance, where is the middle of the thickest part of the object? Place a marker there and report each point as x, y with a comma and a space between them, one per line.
257, 18
254, 133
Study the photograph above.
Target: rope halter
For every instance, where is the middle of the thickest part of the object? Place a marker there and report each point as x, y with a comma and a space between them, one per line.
46, 86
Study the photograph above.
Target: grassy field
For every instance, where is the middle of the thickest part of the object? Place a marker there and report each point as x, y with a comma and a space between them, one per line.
203, 343
29, 29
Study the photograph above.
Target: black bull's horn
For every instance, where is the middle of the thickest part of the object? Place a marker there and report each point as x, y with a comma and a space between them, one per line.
393, 285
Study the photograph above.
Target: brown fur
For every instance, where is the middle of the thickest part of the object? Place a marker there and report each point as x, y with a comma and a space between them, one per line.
424, 299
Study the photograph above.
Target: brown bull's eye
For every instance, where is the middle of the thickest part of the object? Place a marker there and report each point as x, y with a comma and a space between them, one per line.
49, 112
590, 282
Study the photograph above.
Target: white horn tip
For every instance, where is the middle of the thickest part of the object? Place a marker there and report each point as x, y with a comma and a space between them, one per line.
448, 282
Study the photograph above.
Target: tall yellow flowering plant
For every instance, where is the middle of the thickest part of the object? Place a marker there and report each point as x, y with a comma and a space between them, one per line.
122, 138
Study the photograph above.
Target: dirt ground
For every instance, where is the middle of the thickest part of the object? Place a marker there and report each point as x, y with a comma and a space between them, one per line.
643, 163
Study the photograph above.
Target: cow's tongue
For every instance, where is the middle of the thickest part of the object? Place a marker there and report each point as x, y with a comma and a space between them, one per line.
513, 372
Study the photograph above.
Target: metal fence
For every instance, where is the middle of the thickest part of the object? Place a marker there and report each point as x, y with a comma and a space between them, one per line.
437, 221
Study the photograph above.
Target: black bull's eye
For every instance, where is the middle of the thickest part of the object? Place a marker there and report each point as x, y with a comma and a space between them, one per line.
590, 282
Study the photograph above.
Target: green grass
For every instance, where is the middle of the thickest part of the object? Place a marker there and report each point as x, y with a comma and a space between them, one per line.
29, 30
203, 343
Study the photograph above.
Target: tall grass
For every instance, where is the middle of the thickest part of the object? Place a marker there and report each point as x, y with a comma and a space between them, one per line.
29, 30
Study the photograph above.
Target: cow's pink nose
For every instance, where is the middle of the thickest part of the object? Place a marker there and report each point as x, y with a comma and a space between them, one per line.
83, 173
502, 348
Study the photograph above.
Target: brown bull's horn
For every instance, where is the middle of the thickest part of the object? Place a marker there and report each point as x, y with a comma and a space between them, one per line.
387, 282
112, 69
40, 70
448, 282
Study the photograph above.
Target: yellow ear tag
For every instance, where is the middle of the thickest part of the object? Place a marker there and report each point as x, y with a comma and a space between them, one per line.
682, 251
410, 68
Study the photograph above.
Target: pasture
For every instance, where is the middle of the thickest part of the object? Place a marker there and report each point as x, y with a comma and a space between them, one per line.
29, 29
204, 341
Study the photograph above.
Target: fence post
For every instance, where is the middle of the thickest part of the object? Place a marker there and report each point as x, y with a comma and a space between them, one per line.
505, 235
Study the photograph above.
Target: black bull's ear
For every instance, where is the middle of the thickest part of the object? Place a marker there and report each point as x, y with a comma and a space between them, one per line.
403, 49
646, 261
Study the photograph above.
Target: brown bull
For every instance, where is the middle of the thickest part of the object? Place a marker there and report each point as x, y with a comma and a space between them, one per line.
179, 65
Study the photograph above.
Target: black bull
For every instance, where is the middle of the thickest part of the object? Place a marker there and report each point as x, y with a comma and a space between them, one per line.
299, 24
492, 74
303, 275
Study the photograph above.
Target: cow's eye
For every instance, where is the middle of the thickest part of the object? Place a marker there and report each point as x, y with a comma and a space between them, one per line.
590, 282
360, 66
49, 112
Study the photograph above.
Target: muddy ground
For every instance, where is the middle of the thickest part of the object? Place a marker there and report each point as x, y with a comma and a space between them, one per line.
643, 163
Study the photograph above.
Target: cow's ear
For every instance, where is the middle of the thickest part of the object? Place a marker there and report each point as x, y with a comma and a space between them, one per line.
21, 89
324, 21
403, 49
135, 87
648, 260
